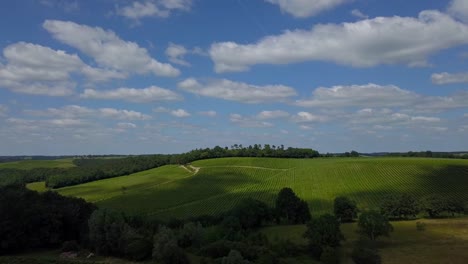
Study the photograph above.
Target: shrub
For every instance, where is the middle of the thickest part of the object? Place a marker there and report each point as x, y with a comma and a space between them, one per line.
345, 209
420, 226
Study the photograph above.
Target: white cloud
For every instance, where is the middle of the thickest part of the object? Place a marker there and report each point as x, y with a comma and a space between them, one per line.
70, 112
248, 122
306, 117
123, 125
180, 113
459, 9
102, 75
176, 54
40, 70
447, 78
161, 109
210, 113
360, 95
365, 43
139, 10
149, 94
152, 8
107, 49
238, 91
306, 8
123, 114
357, 13
272, 114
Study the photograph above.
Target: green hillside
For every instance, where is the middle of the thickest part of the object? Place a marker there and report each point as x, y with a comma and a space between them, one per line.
33, 164
173, 191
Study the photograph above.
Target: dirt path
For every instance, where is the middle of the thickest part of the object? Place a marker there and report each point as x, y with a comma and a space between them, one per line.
191, 169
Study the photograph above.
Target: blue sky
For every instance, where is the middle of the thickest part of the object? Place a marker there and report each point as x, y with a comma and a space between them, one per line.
166, 76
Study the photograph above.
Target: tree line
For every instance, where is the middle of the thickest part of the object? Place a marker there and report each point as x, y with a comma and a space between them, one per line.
90, 169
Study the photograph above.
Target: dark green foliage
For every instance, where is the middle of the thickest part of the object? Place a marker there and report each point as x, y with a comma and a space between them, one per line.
434, 205
330, 255
456, 206
110, 233
32, 220
285, 248
250, 214
190, 235
234, 257
400, 206
21, 177
324, 231
374, 224
365, 252
291, 209
165, 248
222, 248
345, 209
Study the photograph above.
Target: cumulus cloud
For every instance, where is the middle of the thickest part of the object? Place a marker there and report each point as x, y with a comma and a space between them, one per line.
152, 8
272, 114
176, 54
459, 9
238, 91
365, 43
357, 13
180, 113
75, 112
306, 117
360, 95
107, 49
149, 94
122, 114
40, 70
306, 8
243, 121
448, 78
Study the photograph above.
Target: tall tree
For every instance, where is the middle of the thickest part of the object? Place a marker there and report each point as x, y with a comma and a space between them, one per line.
374, 224
290, 208
345, 209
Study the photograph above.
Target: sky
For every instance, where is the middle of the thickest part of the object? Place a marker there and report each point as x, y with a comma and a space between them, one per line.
168, 76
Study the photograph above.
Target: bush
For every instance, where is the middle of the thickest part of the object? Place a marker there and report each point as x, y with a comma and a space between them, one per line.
70, 245
234, 257
138, 250
373, 224
420, 226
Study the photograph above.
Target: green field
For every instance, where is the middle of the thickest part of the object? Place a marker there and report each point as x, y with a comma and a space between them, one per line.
443, 241
33, 164
173, 191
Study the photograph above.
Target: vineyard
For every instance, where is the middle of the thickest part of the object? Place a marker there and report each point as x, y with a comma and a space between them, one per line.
174, 191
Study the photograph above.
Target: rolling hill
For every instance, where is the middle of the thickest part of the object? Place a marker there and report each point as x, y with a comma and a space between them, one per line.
215, 185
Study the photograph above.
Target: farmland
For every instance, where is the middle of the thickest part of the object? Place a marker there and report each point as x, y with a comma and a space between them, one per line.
173, 191
443, 241
33, 164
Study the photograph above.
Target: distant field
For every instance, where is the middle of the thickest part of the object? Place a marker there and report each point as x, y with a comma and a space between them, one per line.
443, 241
37, 186
33, 164
172, 191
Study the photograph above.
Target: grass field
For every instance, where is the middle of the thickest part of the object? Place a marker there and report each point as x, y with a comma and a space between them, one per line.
37, 186
173, 191
33, 164
443, 241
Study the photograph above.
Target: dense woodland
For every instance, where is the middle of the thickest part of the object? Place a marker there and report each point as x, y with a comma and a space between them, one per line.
52, 221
